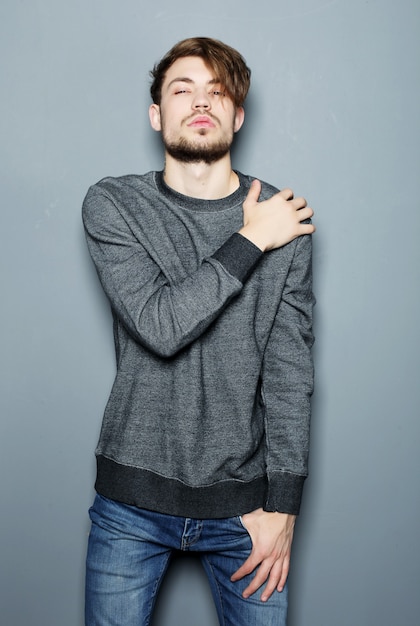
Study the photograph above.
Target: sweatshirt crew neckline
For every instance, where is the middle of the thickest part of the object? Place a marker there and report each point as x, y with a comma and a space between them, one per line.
198, 204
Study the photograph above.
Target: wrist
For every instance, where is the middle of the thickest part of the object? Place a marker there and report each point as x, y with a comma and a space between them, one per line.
254, 237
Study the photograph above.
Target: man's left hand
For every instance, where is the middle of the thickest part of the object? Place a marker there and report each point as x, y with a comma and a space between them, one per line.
271, 535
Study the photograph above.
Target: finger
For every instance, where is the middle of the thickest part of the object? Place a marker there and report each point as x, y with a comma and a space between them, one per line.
284, 573
305, 214
254, 191
299, 203
246, 568
273, 582
307, 229
286, 193
259, 578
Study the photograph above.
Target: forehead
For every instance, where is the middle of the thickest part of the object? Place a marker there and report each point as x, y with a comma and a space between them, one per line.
191, 68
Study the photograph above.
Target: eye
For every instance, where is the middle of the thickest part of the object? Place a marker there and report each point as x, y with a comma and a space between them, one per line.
218, 92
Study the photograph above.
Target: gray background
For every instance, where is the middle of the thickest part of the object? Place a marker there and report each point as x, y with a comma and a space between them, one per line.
333, 113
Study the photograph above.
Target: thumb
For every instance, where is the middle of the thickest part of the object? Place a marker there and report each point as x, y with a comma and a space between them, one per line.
254, 192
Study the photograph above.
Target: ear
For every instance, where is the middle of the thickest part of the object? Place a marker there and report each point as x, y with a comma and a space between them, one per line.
154, 117
239, 119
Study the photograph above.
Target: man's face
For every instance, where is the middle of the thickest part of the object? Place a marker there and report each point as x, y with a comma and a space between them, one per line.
196, 118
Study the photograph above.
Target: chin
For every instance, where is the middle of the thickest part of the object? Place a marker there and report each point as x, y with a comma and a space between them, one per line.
187, 151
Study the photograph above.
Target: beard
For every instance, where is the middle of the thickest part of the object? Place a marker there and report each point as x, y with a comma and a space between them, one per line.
187, 151
199, 151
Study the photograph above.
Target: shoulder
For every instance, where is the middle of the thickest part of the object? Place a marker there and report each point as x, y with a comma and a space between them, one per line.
121, 191
267, 190
120, 184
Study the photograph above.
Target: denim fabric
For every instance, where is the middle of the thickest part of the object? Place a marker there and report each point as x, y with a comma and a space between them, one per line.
129, 551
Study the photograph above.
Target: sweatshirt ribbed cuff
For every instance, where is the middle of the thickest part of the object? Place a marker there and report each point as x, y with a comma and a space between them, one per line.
284, 492
238, 256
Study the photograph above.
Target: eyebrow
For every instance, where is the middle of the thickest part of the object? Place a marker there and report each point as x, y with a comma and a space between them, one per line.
185, 79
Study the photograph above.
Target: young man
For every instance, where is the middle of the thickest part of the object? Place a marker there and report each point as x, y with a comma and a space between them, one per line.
205, 435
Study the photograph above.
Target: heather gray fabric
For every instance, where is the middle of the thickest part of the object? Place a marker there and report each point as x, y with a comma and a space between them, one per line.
209, 412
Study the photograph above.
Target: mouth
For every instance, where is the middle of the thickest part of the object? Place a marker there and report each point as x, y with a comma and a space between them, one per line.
202, 121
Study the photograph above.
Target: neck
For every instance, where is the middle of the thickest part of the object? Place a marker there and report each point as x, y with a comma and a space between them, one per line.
199, 180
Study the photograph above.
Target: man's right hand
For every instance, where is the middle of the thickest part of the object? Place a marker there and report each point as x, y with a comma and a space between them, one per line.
273, 223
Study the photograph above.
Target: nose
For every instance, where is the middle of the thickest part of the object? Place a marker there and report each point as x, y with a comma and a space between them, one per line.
201, 100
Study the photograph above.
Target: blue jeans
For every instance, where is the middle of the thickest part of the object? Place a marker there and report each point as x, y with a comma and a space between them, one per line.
129, 551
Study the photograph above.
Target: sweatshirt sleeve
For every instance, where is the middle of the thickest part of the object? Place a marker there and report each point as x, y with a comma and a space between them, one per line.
287, 385
163, 316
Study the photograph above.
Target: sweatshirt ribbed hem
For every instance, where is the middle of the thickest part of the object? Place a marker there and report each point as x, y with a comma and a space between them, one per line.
148, 490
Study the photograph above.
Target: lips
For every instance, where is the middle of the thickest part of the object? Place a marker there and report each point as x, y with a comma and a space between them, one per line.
202, 121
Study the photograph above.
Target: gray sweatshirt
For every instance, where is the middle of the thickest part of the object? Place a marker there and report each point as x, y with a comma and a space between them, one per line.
209, 412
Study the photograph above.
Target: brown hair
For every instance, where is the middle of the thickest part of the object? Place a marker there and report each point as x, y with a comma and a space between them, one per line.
226, 63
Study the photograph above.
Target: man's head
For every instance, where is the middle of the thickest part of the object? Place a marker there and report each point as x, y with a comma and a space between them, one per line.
198, 91
227, 65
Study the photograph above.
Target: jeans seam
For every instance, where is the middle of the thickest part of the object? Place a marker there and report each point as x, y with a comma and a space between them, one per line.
156, 589
216, 586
